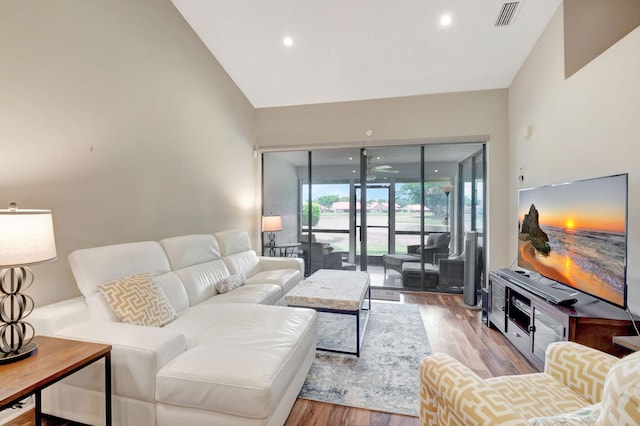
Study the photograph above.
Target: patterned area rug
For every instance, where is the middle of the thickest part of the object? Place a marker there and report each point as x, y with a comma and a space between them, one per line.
385, 377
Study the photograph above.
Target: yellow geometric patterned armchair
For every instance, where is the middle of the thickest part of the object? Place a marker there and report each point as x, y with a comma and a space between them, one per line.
580, 386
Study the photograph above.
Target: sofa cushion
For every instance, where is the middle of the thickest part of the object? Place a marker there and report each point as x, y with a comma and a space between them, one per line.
254, 361
189, 250
174, 290
233, 241
200, 280
94, 266
137, 299
265, 294
245, 262
285, 278
229, 283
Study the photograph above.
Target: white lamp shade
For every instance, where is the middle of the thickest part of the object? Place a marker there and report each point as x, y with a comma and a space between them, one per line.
26, 237
271, 223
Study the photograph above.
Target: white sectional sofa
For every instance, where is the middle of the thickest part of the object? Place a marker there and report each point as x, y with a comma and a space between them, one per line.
226, 359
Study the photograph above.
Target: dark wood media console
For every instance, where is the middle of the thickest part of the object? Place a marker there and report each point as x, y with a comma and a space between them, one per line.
531, 323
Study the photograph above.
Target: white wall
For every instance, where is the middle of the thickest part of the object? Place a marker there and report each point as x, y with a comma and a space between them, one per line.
468, 116
583, 127
116, 117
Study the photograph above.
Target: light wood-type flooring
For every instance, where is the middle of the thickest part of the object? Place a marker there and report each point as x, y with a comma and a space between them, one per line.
451, 328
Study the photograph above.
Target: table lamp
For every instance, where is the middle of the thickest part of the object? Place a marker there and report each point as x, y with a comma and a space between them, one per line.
26, 237
272, 224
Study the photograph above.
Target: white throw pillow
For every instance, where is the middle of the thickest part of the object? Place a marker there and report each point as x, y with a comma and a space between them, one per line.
231, 282
138, 300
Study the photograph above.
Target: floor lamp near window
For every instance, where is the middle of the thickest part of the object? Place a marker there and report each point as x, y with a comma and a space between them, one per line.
271, 224
447, 190
26, 237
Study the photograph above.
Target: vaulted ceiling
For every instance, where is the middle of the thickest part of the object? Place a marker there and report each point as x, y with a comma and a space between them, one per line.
345, 50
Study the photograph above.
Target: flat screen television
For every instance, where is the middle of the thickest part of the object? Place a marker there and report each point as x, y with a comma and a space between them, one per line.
576, 234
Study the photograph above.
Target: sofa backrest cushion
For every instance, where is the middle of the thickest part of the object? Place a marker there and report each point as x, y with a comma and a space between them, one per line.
94, 266
195, 259
246, 263
232, 242
200, 280
174, 289
189, 250
237, 254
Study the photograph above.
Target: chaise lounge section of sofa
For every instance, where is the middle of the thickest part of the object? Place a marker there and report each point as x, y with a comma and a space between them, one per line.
235, 358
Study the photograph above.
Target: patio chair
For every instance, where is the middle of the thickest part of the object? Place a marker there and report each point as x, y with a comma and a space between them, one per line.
319, 256
437, 242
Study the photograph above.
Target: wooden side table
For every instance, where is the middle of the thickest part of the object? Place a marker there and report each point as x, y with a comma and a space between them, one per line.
54, 360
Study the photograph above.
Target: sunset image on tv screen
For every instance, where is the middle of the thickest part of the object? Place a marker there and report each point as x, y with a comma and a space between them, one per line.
575, 234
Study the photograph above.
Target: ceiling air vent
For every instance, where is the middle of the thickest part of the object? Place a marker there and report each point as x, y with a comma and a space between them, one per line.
507, 13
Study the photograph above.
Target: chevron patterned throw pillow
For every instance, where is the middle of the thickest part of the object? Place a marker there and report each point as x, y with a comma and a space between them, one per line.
137, 299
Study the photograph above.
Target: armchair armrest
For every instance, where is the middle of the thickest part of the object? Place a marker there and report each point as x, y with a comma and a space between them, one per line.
451, 273
437, 257
413, 249
570, 363
450, 393
273, 263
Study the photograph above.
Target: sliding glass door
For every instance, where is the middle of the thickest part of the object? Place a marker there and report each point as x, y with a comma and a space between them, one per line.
375, 208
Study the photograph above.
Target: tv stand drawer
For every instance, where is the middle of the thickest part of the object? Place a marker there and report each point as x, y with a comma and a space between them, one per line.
518, 337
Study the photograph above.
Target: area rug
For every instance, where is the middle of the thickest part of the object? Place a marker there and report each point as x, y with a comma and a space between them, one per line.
385, 377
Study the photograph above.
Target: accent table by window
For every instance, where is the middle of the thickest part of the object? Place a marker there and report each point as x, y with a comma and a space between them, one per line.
54, 360
286, 249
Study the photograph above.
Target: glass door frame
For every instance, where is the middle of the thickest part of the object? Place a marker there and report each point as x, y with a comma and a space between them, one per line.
364, 210
360, 178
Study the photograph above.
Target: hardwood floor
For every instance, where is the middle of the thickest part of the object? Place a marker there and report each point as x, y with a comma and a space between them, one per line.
451, 328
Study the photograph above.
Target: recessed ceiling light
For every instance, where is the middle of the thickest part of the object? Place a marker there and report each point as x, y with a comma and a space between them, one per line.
436, 170
288, 41
445, 20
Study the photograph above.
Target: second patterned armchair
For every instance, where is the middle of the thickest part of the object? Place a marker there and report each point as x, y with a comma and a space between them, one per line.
579, 385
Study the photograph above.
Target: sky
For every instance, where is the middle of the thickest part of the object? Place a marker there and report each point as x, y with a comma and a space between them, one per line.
595, 204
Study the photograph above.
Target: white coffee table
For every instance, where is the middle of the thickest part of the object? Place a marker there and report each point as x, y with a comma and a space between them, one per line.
337, 292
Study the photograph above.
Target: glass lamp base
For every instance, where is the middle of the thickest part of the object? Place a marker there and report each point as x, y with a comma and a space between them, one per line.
24, 352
